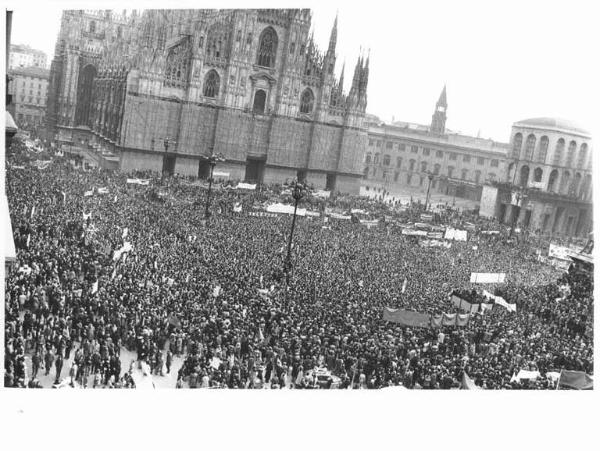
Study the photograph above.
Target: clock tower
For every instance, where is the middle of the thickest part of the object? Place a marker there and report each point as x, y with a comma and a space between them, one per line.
438, 120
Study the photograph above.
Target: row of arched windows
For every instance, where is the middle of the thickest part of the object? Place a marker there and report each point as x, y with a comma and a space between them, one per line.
529, 151
571, 186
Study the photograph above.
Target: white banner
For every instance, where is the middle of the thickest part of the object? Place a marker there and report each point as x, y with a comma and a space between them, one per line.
248, 186
560, 252
102, 190
322, 194
455, 234
88, 193
220, 174
500, 301
486, 277
285, 209
143, 182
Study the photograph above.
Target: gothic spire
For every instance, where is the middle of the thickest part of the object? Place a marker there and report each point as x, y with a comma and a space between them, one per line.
333, 37
341, 83
442, 100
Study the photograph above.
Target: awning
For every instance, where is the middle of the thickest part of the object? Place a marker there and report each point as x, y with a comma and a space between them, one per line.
11, 126
8, 243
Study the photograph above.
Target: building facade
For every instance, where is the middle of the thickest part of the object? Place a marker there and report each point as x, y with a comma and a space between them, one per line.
548, 185
165, 89
25, 56
29, 90
401, 155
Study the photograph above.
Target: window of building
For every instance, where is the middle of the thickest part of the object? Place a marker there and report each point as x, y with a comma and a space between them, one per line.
306, 101
463, 174
537, 174
517, 143
543, 150
267, 49
450, 171
376, 160
452, 156
529, 147
414, 149
378, 143
29, 100
386, 160
492, 177
423, 166
480, 161
177, 64
292, 48
211, 84
389, 144
92, 26
371, 142
396, 174
401, 147
582, 155
571, 153
558, 151
426, 151
368, 159
477, 176
439, 154
411, 165
260, 101
436, 169
398, 162
494, 163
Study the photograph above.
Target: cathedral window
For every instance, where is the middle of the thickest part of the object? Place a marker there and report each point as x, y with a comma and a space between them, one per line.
92, 26
177, 65
517, 142
582, 156
558, 151
211, 84
260, 100
267, 49
543, 151
571, 153
306, 101
529, 147
436, 169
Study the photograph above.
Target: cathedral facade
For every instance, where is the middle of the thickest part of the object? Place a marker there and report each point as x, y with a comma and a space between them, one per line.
165, 89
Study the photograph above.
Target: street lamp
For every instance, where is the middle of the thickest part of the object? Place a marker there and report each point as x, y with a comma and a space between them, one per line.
430, 177
212, 161
298, 192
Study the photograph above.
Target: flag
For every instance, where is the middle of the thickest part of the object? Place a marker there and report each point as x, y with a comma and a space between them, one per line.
155, 265
170, 282
64, 195
125, 232
361, 283
102, 190
216, 291
28, 239
467, 383
32, 210
115, 199
114, 273
174, 321
577, 380
95, 287
404, 286
87, 216
88, 193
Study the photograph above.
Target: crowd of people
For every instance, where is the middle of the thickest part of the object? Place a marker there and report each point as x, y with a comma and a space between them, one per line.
209, 303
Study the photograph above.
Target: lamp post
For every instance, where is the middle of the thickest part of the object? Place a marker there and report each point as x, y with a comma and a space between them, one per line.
430, 177
212, 161
298, 192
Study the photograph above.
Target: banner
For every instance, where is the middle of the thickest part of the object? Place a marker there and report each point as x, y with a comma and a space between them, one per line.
455, 234
525, 374
143, 182
88, 193
577, 380
322, 194
450, 319
220, 174
486, 277
285, 209
87, 216
248, 186
560, 252
406, 318
411, 232
237, 208
516, 198
339, 216
102, 190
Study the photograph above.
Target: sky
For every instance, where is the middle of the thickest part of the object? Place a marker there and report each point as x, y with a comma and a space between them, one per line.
501, 61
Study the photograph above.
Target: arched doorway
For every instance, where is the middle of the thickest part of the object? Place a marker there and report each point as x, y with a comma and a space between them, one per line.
85, 99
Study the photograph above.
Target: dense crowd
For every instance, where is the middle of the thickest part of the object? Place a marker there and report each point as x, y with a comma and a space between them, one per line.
213, 297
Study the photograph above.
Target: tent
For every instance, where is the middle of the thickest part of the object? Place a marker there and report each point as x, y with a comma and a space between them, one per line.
8, 245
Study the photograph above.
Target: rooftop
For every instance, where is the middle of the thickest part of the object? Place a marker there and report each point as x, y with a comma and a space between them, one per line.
553, 123
31, 71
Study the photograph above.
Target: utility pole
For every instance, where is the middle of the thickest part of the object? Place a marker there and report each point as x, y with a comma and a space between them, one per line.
212, 161
298, 192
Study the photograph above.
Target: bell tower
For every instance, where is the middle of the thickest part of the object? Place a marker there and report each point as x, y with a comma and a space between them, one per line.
438, 120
